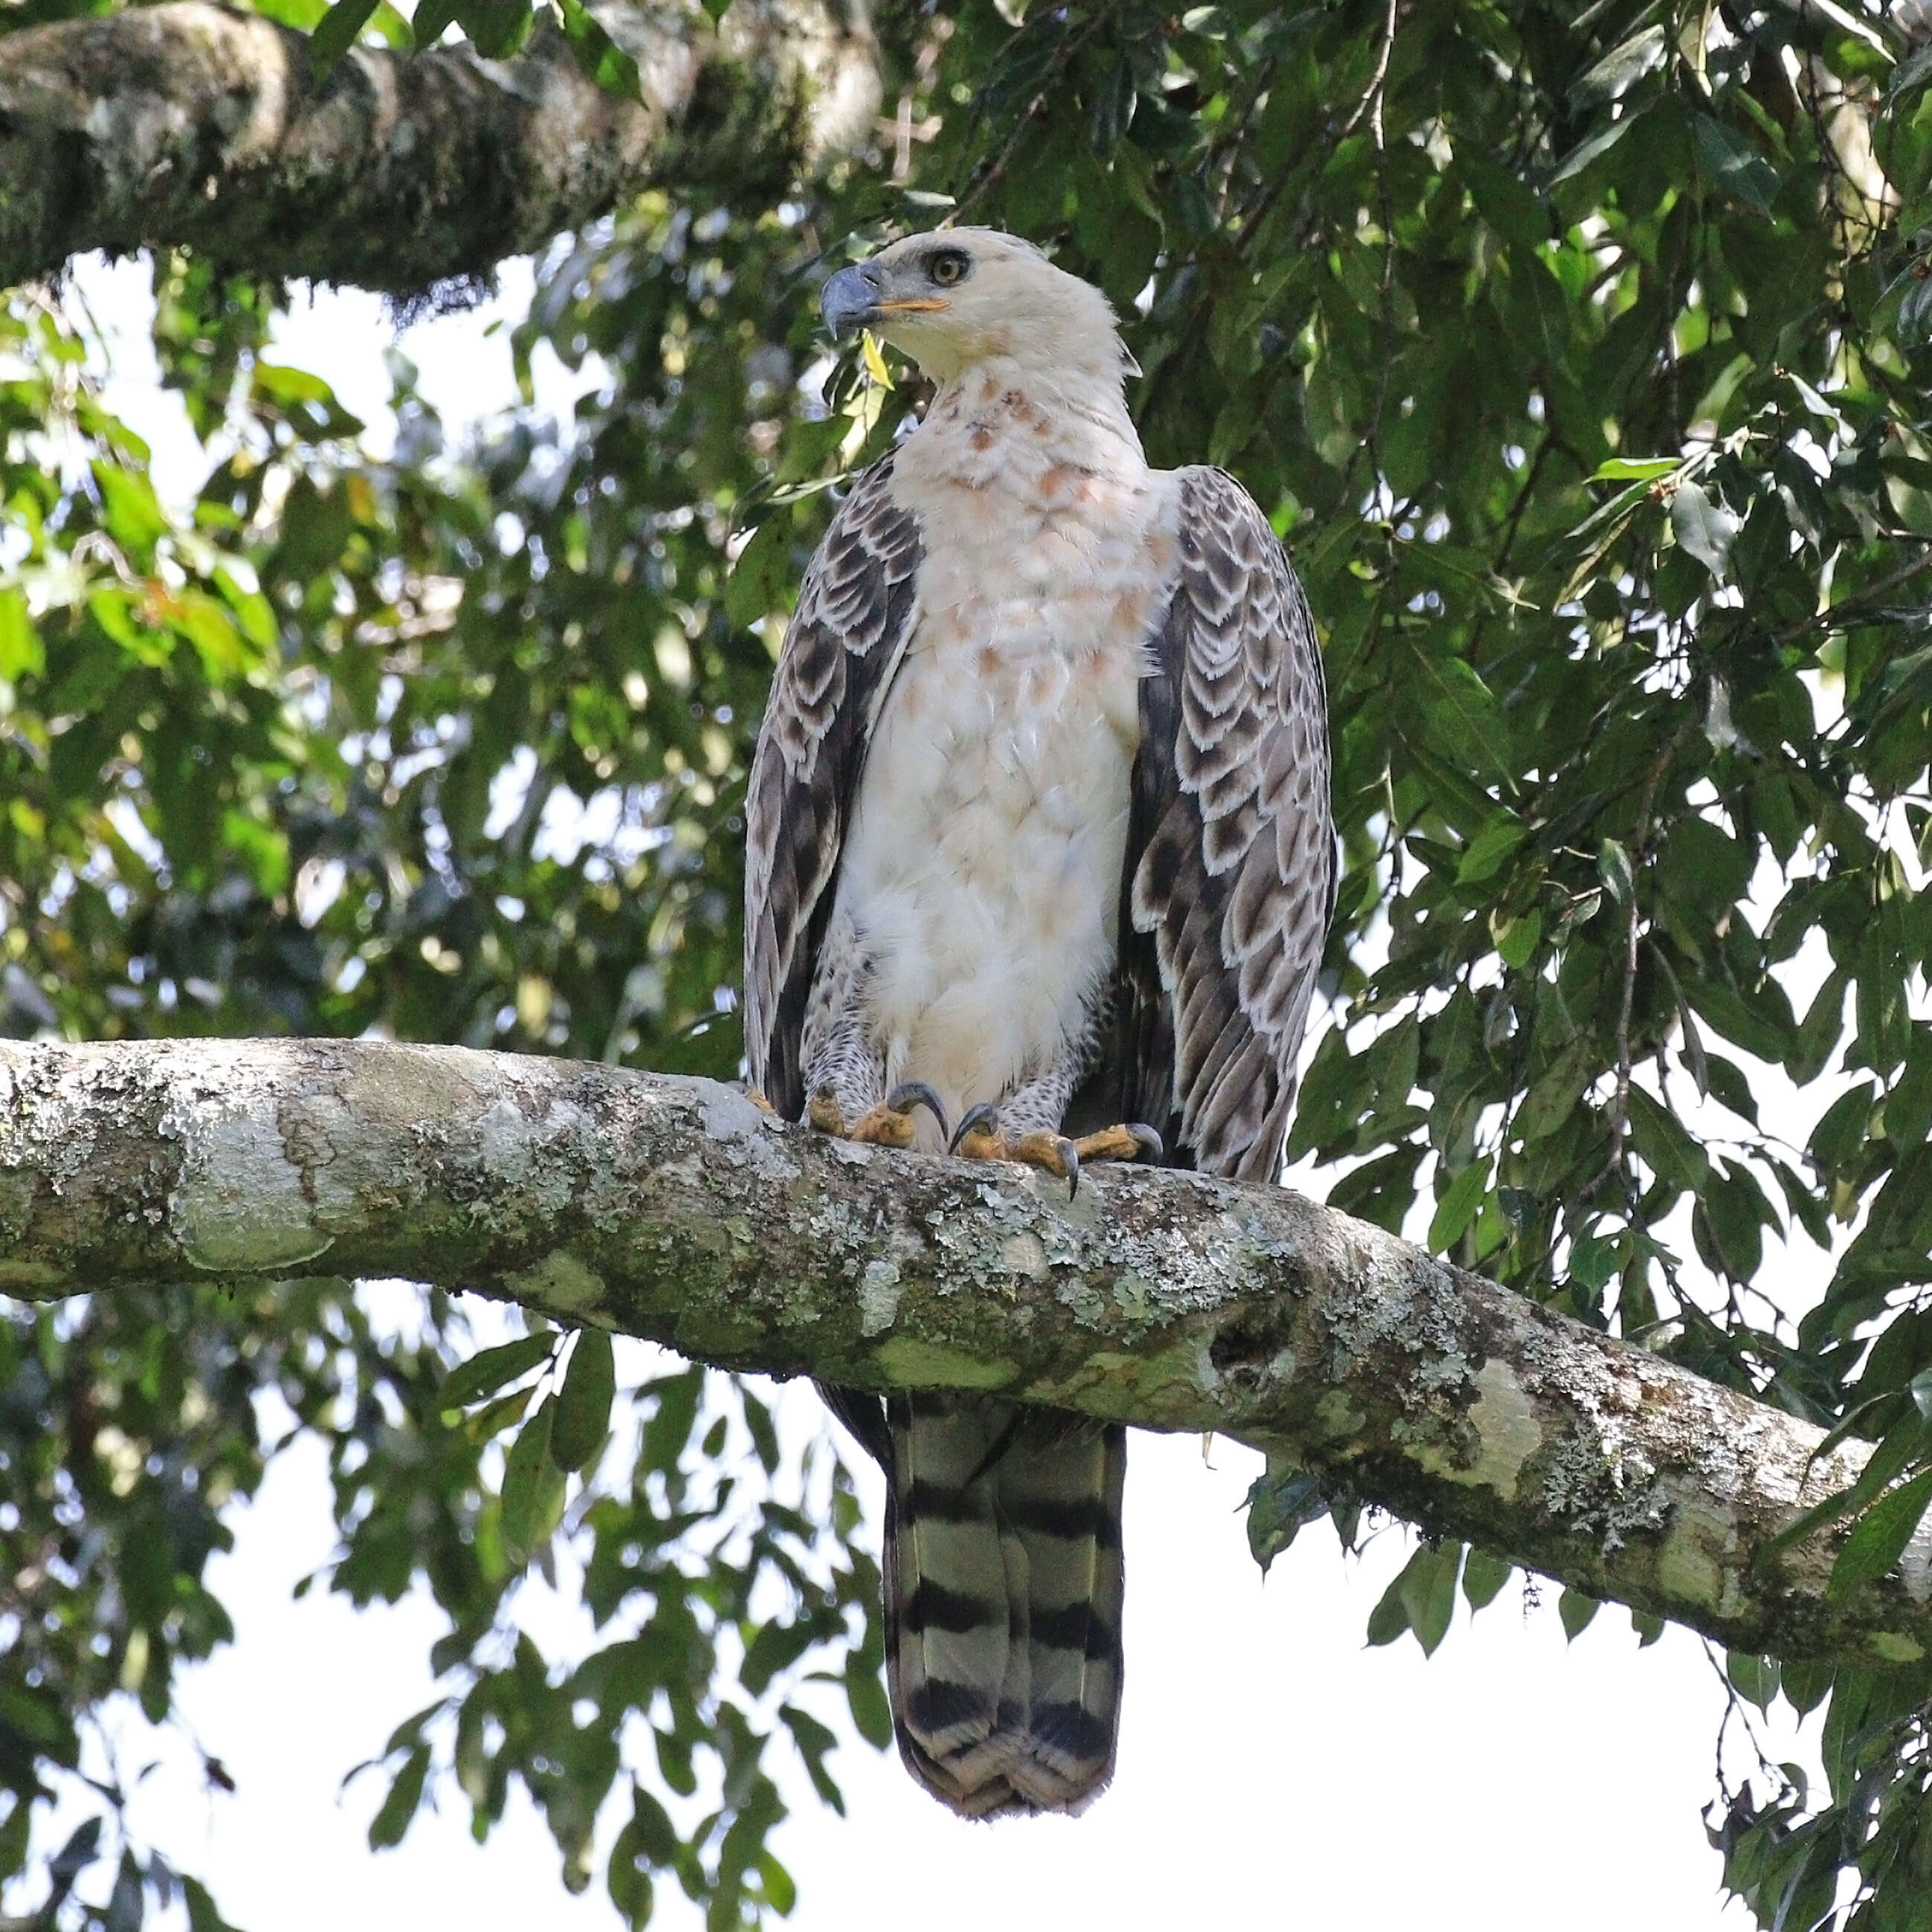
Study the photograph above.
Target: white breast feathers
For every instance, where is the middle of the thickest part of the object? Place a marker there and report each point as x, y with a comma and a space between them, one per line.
982, 871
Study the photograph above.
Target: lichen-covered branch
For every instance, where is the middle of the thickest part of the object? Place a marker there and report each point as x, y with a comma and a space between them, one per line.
675, 1209
190, 125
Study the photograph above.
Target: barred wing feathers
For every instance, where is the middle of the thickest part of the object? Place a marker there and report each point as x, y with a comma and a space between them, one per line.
1229, 881
855, 611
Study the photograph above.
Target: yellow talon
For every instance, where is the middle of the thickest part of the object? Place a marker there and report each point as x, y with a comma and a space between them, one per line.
1130, 1141
884, 1125
888, 1124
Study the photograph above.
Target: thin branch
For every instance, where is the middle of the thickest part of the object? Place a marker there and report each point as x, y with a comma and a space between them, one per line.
1620, 1106
1832, 617
1371, 102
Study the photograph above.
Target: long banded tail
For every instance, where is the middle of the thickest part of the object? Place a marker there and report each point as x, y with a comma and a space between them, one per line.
1002, 1589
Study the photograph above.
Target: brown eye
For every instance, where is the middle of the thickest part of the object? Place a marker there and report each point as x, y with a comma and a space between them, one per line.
948, 268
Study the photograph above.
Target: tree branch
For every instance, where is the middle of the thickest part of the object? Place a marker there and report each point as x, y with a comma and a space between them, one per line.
675, 1210
189, 124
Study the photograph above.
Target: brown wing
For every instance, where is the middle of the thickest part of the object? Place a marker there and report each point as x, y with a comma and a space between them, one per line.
1229, 881
854, 609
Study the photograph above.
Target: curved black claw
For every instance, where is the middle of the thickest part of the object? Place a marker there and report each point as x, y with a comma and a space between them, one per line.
910, 1094
1070, 1154
985, 1115
1151, 1146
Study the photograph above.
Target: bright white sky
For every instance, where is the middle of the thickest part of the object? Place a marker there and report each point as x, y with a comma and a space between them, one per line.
1272, 1769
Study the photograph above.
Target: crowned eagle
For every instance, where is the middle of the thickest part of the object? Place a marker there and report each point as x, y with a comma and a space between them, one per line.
1039, 865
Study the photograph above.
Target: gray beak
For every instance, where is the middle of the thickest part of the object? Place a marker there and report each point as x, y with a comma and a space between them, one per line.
850, 299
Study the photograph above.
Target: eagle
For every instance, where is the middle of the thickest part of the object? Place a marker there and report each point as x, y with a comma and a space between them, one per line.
1039, 868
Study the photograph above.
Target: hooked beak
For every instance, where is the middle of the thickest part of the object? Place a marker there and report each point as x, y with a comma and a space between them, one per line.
851, 298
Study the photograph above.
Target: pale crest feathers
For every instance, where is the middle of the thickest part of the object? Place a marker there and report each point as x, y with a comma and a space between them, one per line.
1015, 305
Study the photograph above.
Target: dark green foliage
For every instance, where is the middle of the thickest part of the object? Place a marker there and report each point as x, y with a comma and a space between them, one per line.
1580, 355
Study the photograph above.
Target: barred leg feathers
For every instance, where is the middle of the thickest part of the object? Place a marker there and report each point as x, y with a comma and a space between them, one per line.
1002, 1589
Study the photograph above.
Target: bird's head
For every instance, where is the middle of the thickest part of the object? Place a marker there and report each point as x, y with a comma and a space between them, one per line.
963, 296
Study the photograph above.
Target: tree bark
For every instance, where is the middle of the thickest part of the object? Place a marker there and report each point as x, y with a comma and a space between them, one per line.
188, 124
675, 1209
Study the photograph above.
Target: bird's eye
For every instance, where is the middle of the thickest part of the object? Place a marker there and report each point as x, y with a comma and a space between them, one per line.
948, 268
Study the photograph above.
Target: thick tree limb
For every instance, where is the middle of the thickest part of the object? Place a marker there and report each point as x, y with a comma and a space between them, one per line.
675, 1210
189, 125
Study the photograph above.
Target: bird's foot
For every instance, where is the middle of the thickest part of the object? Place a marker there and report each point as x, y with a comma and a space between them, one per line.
758, 1100
1128, 1140
981, 1137
888, 1124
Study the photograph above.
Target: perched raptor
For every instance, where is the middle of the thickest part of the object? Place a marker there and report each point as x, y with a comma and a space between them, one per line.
1038, 848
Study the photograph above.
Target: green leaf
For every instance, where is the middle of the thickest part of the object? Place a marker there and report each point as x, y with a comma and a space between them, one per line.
202, 1915
600, 56
1459, 712
527, 1471
1593, 149
814, 1741
1483, 857
1921, 1393
1733, 163
1427, 1590
1457, 1208
1516, 939
1804, 1681
1613, 868
761, 577
392, 1820
1483, 1576
1282, 1499
492, 1418
764, 1437
656, 1837
669, 1428
431, 21
488, 1370
583, 1405
1664, 1146
133, 513
1841, 1135
498, 28
22, 654
1575, 1610
1875, 1546
1754, 1678
1703, 527
865, 1696
781, 1893
1635, 469
335, 34
776, 1647
1390, 1617
1613, 76
647, 1840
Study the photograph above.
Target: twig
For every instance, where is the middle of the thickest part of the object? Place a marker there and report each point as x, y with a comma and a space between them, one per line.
1371, 102
1251, 220
1620, 1107
1062, 60
1827, 618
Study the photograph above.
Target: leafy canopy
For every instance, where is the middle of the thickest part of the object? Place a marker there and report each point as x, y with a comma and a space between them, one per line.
1578, 353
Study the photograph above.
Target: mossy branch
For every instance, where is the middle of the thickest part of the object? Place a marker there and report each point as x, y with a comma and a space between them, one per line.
675, 1209
188, 124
